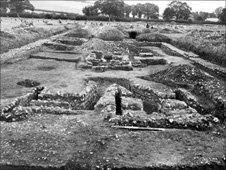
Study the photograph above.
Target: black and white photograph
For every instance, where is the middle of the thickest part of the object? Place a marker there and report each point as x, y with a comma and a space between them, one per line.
113, 85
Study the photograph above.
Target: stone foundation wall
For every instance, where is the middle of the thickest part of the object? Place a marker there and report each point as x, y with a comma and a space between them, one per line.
56, 103
168, 50
171, 50
6, 114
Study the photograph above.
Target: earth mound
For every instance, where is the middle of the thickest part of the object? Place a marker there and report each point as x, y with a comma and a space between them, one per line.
79, 33
209, 93
153, 37
101, 45
170, 31
181, 76
111, 34
122, 28
147, 30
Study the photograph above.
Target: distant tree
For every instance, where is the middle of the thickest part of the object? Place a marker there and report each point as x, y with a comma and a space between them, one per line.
203, 15
151, 11
90, 11
112, 8
134, 10
195, 15
222, 16
3, 6
212, 15
18, 6
218, 11
140, 10
200, 16
181, 9
168, 14
127, 10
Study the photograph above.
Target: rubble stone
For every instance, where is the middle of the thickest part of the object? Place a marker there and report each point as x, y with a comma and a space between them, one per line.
146, 54
172, 104
99, 54
99, 68
113, 88
192, 120
137, 63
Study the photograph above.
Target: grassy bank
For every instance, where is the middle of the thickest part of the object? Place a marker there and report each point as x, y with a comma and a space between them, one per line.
17, 32
209, 45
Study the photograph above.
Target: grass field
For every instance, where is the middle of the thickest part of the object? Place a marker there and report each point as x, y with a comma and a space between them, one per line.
17, 32
209, 43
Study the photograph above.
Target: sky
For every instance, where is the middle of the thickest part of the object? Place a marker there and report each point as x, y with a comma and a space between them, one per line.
76, 6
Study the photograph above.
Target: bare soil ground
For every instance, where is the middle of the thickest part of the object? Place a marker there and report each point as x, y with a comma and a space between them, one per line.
72, 125
83, 142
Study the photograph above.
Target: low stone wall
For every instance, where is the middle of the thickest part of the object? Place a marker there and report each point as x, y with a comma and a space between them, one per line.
156, 44
159, 120
168, 50
100, 62
57, 103
171, 50
50, 103
6, 114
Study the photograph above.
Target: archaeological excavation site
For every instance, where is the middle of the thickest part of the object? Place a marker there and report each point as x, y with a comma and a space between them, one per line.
103, 95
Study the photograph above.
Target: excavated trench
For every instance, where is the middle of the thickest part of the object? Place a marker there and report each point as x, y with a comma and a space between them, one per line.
150, 103
86, 100
133, 34
153, 105
102, 83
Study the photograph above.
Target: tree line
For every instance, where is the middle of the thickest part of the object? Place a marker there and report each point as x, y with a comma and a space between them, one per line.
117, 8
176, 10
